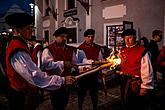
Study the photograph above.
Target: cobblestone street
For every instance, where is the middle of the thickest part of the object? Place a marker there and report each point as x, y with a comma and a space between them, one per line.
110, 102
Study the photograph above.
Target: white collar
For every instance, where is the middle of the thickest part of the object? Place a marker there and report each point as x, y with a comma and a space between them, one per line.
131, 45
36, 44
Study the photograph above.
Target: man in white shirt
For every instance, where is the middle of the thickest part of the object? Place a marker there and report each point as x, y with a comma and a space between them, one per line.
23, 74
137, 72
65, 55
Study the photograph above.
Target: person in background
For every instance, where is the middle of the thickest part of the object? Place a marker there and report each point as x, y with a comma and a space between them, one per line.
37, 51
161, 69
161, 63
23, 74
105, 51
136, 73
30, 45
3, 77
4, 41
90, 82
65, 56
2, 58
45, 43
144, 42
154, 50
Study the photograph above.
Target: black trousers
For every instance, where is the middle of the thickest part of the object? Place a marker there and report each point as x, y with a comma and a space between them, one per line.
23, 100
90, 83
16, 99
131, 99
60, 98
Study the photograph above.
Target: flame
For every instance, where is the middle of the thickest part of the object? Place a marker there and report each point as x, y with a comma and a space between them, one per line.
114, 59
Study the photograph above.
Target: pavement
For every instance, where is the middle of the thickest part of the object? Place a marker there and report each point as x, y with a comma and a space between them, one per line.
111, 101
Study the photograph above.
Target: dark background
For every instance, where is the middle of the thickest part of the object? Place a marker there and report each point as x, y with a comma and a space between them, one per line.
6, 4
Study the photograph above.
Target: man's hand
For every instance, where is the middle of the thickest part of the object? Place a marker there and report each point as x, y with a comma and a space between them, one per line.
68, 64
83, 69
69, 80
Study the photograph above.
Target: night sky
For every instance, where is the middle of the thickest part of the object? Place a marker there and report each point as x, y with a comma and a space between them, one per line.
6, 4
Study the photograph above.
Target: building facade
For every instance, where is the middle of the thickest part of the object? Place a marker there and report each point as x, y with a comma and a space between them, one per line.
105, 16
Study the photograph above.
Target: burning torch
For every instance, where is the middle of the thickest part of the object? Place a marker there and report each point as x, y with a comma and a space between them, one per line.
111, 62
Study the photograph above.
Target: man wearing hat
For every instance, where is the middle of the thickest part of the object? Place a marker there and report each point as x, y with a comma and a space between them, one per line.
89, 82
136, 72
65, 55
22, 72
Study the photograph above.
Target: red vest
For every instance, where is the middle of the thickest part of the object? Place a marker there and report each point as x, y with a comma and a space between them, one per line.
61, 53
91, 51
34, 53
131, 62
16, 81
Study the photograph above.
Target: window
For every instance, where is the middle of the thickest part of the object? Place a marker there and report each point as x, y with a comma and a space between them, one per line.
46, 35
47, 8
70, 4
72, 35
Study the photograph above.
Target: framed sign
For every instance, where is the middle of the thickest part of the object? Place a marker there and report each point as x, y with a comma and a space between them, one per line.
114, 35
114, 32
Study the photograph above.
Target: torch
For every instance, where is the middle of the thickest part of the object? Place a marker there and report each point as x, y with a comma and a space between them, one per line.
94, 70
111, 62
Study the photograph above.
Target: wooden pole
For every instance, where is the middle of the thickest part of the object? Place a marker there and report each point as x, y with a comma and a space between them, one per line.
94, 70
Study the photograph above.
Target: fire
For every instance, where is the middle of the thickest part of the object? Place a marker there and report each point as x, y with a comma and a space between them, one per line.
114, 59
112, 62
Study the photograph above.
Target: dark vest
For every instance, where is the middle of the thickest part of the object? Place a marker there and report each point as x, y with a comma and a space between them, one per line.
91, 51
131, 62
16, 81
61, 53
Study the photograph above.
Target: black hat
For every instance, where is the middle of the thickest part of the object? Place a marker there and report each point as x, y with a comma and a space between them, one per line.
89, 32
60, 31
19, 20
129, 32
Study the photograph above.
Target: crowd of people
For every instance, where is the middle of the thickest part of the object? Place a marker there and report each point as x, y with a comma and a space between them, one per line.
31, 70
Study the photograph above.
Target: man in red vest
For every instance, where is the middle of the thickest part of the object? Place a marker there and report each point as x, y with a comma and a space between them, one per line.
22, 72
65, 55
90, 82
137, 77
37, 51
